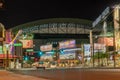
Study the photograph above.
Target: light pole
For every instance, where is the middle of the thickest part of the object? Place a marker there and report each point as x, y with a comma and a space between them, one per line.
92, 46
92, 37
92, 41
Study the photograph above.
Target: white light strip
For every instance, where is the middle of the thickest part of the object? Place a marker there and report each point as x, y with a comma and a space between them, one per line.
49, 52
72, 49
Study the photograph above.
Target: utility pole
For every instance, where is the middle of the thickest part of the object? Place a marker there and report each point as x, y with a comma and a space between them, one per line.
92, 46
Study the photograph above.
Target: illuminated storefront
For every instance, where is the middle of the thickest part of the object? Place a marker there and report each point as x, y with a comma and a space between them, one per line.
47, 54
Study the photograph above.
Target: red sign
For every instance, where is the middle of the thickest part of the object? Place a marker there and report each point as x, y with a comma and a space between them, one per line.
106, 41
27, 43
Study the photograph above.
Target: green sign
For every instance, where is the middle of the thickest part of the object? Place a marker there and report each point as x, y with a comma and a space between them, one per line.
0, 47
1, 50
17, 44
29, 50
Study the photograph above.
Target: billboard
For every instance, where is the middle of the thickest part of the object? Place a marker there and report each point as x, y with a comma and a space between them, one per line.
46, 57
46, 47
68, 55
99, 47
108, 41
8, 37
67, 44
27, 43
87, 50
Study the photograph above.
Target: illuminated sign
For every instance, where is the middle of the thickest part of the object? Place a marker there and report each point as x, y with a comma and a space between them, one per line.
99, 47
17, 44
68, 55
27, 43
46, 47
8, 37
67, 44
1, 49
107, 41
46, 57
52, 26
29, 50
102, 16
87, 50
27, 36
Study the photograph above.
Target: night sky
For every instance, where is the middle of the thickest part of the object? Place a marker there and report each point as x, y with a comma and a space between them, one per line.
17, 12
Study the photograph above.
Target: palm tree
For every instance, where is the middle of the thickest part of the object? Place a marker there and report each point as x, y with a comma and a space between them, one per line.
100, 56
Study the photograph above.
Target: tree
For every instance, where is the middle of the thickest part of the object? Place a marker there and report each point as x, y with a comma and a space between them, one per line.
101, 56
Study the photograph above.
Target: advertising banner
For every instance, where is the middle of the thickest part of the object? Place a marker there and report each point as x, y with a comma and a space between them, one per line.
67, 44
87, 50
8, 37
46, 47
27, 43
106, 41
46, 57
68, 55
99, 47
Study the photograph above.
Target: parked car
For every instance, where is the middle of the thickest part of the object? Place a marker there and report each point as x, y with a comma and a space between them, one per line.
39, 65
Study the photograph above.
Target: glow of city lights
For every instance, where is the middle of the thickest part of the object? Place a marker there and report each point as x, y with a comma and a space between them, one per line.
26, 58
72, 49
50, 52
61, 51
40, 53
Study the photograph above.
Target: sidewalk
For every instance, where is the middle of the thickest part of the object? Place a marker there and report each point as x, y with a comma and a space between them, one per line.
6, 75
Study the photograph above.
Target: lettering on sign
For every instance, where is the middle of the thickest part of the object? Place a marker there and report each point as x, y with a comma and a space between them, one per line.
102, 16
56, 28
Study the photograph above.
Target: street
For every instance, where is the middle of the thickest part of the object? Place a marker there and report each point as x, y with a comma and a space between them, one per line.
75, 74
5, 75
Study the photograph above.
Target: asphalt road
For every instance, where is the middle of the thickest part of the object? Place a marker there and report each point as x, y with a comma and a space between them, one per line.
6, 75
75, 74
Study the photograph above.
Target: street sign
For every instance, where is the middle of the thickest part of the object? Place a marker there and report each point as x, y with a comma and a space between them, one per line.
17, 44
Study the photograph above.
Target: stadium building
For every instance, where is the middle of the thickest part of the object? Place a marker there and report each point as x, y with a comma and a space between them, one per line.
57, 39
